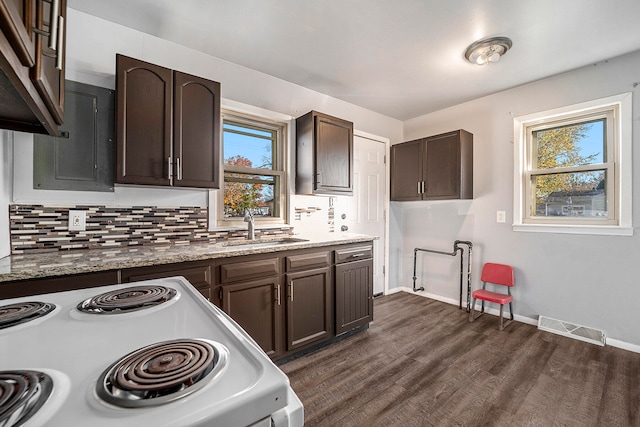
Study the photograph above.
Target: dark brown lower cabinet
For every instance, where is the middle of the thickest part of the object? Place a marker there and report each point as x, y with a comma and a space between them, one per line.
287, 302
249, 290
309, 307
354, 295
255, 306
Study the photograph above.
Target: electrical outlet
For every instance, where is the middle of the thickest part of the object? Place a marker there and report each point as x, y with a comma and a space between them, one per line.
77, 220
501, 216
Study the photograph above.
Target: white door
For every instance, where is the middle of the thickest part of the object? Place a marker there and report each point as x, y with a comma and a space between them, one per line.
365, 210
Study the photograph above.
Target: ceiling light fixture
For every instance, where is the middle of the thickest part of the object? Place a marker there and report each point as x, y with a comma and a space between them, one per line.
487, 50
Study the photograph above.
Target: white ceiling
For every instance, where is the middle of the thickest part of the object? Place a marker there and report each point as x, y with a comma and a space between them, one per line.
402, 58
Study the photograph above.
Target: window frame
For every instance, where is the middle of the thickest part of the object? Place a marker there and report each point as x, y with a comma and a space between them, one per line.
617, 164
279, 169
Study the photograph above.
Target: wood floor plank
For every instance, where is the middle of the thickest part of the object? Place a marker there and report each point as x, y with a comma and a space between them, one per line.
620, 401
582, 395
421, 363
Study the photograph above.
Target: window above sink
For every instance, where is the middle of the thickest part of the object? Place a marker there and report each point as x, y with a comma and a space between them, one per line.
255, 173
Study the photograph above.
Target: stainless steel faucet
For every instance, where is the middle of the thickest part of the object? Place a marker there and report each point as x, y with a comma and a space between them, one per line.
248, 218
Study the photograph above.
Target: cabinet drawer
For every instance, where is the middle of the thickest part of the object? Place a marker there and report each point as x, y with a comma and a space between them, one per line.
196, 273
248, 270
353, 253
47, 285
308, 261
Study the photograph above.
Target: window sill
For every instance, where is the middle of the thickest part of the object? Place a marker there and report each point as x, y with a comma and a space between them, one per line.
600, 230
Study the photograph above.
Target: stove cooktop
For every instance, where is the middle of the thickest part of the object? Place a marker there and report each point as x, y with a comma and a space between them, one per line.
82, 349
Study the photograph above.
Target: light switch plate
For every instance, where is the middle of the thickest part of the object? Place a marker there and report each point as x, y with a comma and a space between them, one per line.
501, 216
77, 220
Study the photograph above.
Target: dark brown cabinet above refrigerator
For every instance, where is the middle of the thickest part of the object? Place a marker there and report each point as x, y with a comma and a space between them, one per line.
438, 167
324, 155
32, 65
167, 126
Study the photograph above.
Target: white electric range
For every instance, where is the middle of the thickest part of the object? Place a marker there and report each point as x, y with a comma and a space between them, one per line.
153, 353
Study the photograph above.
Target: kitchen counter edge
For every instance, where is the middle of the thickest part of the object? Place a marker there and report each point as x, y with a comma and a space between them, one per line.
62, 263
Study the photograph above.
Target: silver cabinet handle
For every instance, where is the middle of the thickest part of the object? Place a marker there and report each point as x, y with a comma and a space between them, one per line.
178, 166
357, 255
169, 168
419, 187
54, 25
278, 294
422, 187
291, 291
60, 56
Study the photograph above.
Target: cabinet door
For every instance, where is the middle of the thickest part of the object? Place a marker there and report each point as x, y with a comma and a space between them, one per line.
17, 20
449, 166
196, 117
334, 155
143, 122
22, 107
49, 70
406, 171
255, 306
309, 307
354, 295
197, 273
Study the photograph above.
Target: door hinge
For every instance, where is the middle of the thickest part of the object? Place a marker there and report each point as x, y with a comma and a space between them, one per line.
383, 271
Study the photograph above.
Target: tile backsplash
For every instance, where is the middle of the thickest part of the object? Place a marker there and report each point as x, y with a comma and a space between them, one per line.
40, 228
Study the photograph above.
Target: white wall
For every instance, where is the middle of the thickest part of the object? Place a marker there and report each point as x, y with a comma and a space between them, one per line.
6, 170
91, 55
589, 280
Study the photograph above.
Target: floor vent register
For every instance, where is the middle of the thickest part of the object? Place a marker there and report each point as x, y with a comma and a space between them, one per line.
571, 330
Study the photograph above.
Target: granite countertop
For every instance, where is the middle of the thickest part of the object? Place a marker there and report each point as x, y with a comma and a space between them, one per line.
60, 263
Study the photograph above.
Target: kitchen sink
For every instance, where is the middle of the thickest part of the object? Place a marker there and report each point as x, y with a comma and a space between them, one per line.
263, 242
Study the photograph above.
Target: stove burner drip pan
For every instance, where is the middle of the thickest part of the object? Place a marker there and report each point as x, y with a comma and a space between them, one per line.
161, 373
22, 393
126, 300
15, 314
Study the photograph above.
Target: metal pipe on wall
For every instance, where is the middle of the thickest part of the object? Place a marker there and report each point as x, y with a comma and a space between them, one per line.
456, 249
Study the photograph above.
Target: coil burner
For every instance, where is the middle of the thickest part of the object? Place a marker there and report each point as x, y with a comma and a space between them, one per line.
161, 373
22, 393
15, 314
127, 299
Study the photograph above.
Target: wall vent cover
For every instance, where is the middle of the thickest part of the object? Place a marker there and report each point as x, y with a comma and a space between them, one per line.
571, 330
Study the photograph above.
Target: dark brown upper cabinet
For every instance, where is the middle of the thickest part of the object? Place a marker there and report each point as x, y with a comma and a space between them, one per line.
48, 72
196, 127
167, 126
438, 167
32, 65
324, 155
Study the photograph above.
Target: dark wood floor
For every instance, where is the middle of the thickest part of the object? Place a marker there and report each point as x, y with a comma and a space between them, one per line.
422, 364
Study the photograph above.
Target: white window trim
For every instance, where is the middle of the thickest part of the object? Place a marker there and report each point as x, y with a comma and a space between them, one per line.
216, 196
623, 169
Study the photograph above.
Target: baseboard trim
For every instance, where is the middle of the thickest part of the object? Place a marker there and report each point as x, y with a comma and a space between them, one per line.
496, 312
623, 345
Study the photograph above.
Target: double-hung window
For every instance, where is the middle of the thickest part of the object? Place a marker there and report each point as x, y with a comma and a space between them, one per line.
254, 170
573, 169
